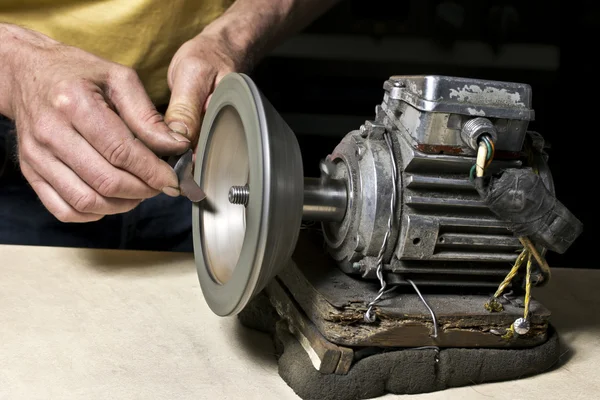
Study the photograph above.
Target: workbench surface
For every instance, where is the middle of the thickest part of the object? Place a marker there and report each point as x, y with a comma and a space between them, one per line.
100, 324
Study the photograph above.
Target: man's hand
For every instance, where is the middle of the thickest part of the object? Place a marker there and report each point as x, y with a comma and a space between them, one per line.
197, 67
88, 134
234, 42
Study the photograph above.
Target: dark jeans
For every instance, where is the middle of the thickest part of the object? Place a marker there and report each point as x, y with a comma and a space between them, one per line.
162, 223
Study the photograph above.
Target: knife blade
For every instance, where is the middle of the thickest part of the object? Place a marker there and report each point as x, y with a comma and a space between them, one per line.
187, 185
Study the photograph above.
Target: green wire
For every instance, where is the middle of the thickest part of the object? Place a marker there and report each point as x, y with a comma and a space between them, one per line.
487, 157
489, 147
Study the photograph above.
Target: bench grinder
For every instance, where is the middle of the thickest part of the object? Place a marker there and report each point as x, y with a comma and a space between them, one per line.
445, 196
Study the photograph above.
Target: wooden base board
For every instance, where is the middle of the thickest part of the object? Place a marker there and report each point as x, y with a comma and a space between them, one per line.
325, 356
330, 305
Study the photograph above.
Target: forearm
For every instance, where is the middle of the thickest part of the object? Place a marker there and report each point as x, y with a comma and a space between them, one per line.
8, 35
16, 44
254, 27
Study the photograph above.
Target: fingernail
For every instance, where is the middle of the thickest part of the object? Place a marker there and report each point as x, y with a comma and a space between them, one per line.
179, 131
179, 137
171, 191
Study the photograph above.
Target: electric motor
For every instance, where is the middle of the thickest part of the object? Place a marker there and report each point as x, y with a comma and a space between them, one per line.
441, 188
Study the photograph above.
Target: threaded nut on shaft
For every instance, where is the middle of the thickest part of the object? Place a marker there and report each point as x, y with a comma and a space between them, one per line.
239, 195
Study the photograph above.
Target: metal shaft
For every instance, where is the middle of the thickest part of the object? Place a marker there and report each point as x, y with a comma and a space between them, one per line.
324, 200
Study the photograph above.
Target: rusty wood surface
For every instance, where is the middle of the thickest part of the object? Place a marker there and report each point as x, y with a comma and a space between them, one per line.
336, 302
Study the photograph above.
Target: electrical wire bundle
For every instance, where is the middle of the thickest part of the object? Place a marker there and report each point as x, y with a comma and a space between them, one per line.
485, 155
521, 326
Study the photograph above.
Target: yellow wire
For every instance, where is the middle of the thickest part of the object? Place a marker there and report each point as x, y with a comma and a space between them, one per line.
511, 274
493, 305
525, 241
510, 332
527, 287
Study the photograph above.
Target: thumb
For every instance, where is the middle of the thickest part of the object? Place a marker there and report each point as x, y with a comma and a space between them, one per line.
191, 84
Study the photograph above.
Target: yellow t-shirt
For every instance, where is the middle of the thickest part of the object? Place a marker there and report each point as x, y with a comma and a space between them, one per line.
142, 34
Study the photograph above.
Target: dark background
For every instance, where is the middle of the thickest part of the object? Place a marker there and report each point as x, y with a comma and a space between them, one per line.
327, 80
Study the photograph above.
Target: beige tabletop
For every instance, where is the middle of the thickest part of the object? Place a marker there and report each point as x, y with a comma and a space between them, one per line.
92, 324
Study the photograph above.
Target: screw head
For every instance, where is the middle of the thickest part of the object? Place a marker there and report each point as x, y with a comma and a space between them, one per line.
363, 131
370, 317
522, 326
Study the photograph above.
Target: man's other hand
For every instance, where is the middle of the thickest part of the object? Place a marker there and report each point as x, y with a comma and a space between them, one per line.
197, 67
88, 133
234, 42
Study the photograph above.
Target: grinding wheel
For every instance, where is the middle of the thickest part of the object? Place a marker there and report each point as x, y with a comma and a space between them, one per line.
248, 162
